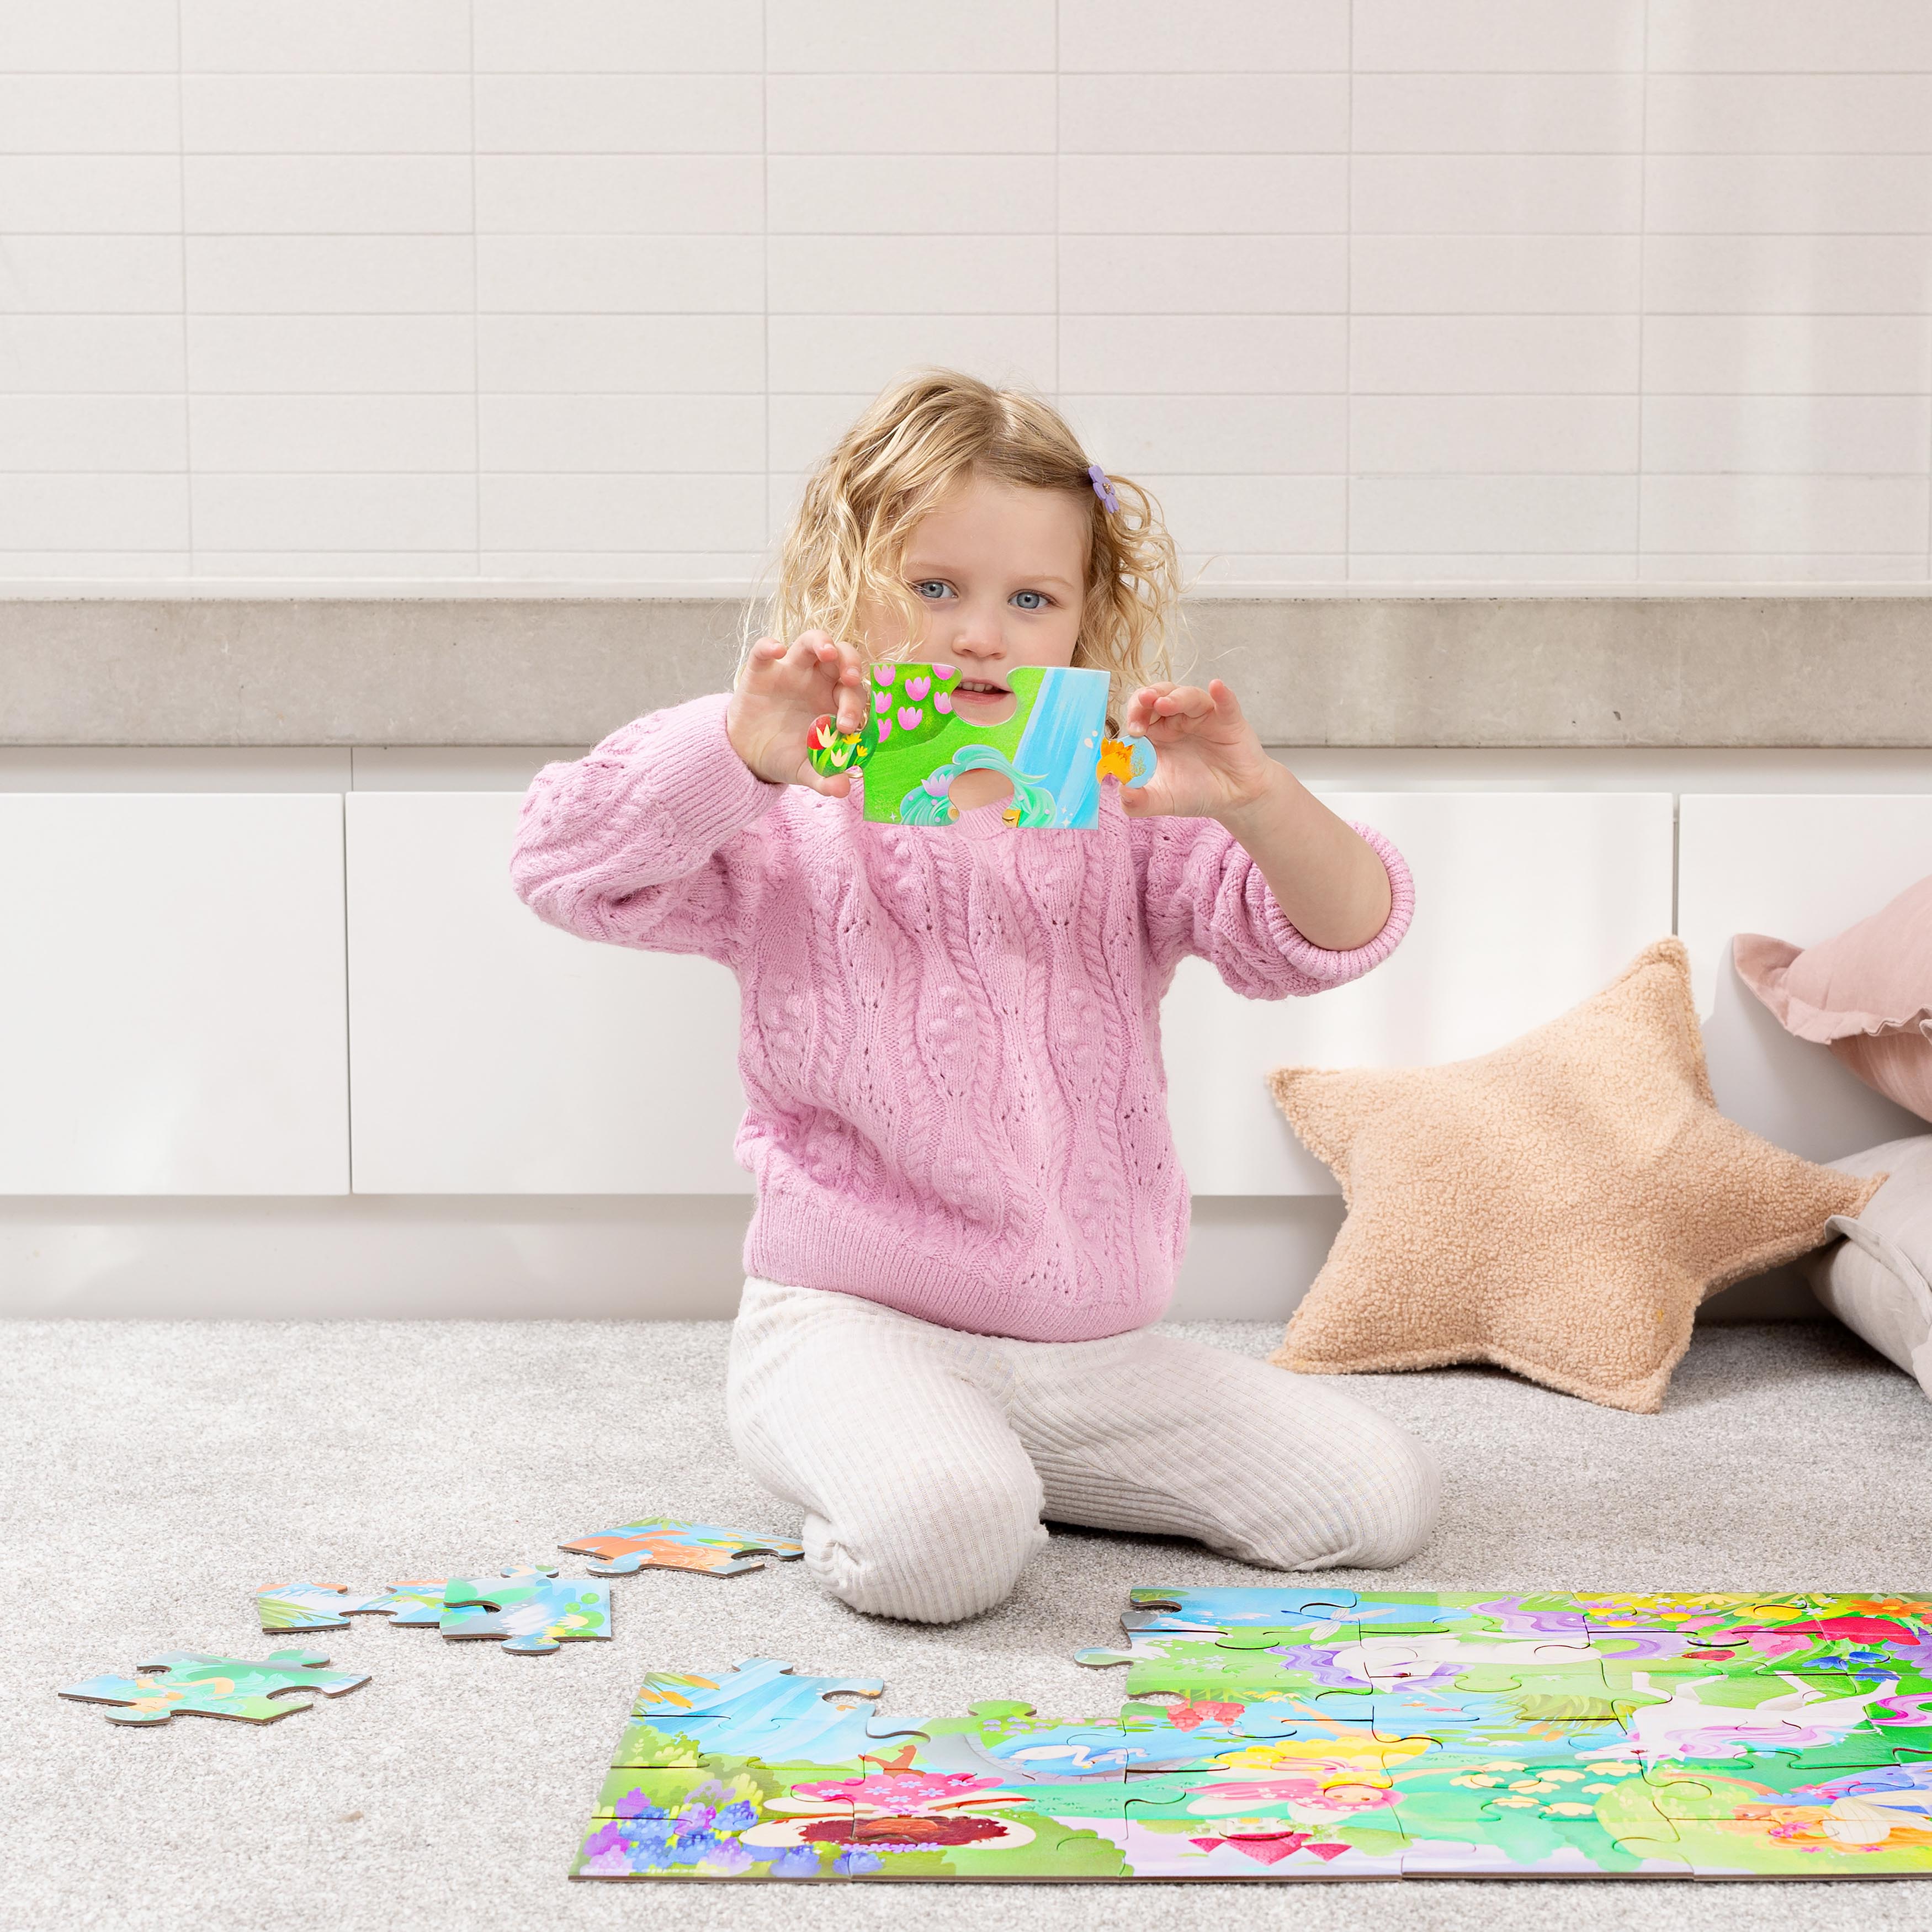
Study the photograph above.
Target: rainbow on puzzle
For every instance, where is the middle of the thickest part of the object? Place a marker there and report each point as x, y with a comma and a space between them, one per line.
1280, 1734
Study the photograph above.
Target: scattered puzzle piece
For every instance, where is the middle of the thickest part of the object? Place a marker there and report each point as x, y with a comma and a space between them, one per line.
534, 1610
669, 1543
316, 1606
206, 1686
309, 1606
415, 1602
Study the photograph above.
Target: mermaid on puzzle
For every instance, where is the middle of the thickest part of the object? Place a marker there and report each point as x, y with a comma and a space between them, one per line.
969, 1208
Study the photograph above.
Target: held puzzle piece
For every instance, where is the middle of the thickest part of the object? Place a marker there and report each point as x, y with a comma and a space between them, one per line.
669, 1543
534, 1609
1312, 1734
205, 1686
1054, 750
415, 1602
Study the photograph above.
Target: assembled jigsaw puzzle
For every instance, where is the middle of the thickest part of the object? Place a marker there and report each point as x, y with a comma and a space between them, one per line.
199, 1685
1287, 1734
532, 1610
670, 1543
1053, 751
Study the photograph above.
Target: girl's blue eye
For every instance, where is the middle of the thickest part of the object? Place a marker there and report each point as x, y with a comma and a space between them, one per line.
929, 584
1039, 601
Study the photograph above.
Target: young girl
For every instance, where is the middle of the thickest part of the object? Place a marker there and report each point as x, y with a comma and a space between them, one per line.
969, 1207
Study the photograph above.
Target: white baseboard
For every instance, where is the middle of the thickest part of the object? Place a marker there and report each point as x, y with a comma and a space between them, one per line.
665, 1257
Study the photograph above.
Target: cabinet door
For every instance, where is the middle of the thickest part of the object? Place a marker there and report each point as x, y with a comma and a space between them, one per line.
1525, 902
171, 974
1801, 868
491, 1054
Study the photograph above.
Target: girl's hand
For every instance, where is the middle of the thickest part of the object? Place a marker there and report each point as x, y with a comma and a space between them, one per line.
1211, 763
781, 691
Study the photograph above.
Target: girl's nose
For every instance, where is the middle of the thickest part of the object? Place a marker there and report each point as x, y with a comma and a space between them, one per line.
978, 632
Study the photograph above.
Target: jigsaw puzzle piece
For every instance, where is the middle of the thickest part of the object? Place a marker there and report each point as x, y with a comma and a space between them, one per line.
1238, 1666
758, 1708
413, 1603
1206, 1736
202, 1684
1719, 1717
1574, 1715
533, 1610
309, 1606
1013, 1739
1541, 1614
1028, 1833
1469, 1659
1234, 1607
1704, 1616
857, 1807
1265, 1821
1774, 1815
942, 1803
707, 1821
1532, 1811
670, 1543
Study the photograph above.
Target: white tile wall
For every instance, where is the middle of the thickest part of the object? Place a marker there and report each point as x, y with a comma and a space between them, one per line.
1478, 291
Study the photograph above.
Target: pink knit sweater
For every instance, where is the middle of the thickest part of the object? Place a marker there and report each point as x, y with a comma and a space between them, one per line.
951, 1039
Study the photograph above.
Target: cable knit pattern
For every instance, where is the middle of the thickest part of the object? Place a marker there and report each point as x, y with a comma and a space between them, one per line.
950, 1042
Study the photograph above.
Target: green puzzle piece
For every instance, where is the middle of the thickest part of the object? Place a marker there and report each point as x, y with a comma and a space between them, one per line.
317, 1606
207, 1686
1053, 751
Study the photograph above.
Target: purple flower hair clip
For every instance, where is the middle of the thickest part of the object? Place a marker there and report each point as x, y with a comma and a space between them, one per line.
1103, 489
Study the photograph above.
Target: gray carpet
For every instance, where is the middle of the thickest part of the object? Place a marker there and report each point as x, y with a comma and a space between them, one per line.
155, 1474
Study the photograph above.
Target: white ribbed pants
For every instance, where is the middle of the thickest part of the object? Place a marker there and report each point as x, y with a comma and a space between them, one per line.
924, 1459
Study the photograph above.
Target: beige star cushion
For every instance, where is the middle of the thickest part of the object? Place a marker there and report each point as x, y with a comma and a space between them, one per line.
1558, 1206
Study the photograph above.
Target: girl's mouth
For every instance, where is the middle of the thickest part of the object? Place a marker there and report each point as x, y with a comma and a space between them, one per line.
982, 700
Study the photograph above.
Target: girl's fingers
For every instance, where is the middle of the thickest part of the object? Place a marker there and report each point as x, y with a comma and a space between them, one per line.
760, 658
1140, 707
1226, 702
1185, 701
835, 786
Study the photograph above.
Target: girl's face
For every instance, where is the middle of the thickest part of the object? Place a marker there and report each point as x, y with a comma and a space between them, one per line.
1001, 570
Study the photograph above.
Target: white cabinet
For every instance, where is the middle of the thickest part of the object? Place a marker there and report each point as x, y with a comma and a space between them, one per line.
492, 1053
1525, 904
171, 977
1800, 868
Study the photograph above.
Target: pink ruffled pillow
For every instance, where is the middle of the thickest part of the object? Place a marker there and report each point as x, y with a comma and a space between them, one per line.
1867, 994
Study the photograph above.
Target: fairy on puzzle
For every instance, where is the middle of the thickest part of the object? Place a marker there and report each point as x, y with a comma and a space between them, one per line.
969, 1206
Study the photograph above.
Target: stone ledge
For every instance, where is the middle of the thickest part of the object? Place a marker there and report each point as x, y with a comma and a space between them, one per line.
1810, 670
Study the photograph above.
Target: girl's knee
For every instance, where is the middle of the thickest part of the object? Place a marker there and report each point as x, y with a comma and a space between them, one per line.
1370, 1504
928, 1560
1399, 1491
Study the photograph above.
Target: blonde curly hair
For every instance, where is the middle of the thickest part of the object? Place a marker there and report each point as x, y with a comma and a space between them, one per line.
846, 545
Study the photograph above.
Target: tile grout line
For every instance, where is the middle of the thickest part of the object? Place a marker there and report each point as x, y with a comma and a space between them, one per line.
1348, 317
475, 313
1643, 260
181, 184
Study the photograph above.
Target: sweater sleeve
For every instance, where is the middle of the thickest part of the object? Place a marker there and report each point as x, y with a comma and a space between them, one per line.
639, 843
1201, 893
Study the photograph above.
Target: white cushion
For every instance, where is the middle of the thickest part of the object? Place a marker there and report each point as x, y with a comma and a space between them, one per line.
1874, 1281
